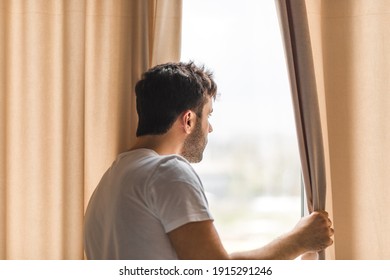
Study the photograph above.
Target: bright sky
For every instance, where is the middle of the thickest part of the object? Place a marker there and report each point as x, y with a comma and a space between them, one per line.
240, 41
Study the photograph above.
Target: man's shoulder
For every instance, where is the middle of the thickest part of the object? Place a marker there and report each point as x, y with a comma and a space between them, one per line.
174, 168
175, 164
149, 161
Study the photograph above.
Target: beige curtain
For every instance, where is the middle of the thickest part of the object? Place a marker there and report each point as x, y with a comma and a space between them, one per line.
350, 49
294, 23
67, 73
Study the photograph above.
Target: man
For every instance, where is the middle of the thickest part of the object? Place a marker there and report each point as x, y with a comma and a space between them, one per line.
150, 204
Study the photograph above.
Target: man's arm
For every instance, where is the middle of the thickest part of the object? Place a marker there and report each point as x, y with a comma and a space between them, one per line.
200, 240
197, 241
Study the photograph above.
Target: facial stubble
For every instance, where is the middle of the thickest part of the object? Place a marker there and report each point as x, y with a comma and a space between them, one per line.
195, 144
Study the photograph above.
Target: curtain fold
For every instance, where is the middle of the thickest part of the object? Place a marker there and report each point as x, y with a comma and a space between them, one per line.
295, 30
349, 42
355, 43
67, 108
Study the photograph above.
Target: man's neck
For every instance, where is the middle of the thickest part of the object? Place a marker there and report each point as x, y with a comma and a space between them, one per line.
161, 144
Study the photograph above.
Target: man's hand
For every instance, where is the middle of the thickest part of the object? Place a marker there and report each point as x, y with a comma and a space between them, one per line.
314, 232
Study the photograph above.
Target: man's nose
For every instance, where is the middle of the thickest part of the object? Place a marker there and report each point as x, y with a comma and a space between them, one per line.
210, 128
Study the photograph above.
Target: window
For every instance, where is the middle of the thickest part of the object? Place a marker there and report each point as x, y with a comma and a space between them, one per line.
251, 168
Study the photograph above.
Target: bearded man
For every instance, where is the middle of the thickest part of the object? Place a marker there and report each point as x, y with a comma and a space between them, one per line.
151, 204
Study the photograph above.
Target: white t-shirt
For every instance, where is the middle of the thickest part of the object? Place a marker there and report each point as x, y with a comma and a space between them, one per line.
140, 198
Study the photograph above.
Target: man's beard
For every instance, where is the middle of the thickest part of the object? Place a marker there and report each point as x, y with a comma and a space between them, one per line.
195, 144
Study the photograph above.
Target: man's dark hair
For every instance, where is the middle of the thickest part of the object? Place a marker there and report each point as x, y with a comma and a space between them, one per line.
167, 90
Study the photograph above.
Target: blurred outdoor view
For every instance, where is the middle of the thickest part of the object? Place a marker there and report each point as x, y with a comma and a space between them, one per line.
251, 168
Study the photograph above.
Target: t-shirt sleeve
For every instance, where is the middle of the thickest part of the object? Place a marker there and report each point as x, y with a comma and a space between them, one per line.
177, 196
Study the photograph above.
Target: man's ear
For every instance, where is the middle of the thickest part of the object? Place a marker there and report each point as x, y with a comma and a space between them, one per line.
188, 121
